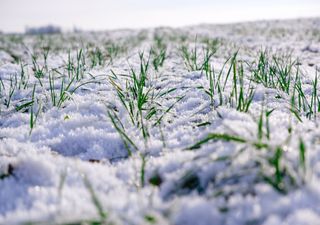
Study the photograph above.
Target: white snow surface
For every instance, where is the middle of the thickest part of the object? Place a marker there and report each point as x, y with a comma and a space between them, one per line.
44, 171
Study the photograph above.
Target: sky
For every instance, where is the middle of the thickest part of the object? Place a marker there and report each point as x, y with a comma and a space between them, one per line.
16, 15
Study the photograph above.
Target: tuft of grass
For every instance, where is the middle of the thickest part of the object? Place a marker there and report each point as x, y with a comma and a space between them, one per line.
277, 179
38, 70
11, 91
271, 161
301, 103
139, 97
315, 98
34, 115
121, 131
274, 71
150, 219
67, 87
240, 96
76, 67
97, 58
142, 170
216, 137
283, 74
302, 155
114, 50
195, 61
158, 57
24, 77
95, 200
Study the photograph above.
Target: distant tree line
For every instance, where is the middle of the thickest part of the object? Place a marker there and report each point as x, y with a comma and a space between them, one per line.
48, 29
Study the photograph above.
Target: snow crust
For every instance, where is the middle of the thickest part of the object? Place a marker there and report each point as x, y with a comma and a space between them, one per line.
78, 141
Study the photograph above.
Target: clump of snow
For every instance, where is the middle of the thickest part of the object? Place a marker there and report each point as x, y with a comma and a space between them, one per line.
198, 212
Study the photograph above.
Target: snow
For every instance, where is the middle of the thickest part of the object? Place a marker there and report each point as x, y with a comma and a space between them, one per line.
44, 171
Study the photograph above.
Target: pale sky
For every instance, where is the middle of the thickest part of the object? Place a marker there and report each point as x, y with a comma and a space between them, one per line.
16, 15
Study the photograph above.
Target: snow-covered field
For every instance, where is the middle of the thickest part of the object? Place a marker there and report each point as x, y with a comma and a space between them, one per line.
211, 124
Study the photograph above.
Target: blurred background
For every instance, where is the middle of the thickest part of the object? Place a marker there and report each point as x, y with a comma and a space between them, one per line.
17, 15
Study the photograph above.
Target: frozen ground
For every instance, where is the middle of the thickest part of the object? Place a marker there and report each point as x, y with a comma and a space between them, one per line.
112, 149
